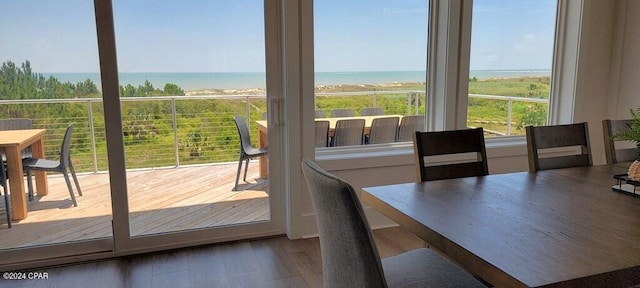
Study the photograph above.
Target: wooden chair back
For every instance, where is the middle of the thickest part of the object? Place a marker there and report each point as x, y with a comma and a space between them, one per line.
545, 137
613, 149
426, 144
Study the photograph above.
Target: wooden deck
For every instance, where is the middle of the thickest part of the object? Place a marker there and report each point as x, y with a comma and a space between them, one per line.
160, 200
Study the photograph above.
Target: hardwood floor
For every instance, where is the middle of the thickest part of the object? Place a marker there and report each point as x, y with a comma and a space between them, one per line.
160, 200
273, 262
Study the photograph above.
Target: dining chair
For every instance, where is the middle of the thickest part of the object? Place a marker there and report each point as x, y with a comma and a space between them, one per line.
61, 166
372, 111
17, 124
551, 138
408, 126
5, 193
342, 112
320, 113
616, 151
466, 145
322, 133
349, 254
383, 130
247, 152
348, 132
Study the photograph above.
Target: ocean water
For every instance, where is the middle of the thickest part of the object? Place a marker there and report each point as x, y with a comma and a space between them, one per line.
197, 81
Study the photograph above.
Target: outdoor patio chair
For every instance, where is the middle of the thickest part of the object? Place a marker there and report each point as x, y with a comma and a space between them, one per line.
383, 130
349, 254
320, 113
614, 151
545, 137
322, 133
408, 126
348, 132
247, 152
37, 164
450, 142
342, 112
5, 192
372, 111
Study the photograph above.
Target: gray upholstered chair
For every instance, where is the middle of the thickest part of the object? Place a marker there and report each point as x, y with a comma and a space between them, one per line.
408, 126
348, 132
37, 164
546, 137
322, 133
383, 130
349, 254
5, 192
372, 111
450, 142
614, 151
342, 112
247, 151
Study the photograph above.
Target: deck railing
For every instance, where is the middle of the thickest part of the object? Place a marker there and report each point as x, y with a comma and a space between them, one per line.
169, 131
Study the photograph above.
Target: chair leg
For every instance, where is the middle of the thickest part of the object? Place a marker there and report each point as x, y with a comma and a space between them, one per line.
246, 167
75, 178
7, 205
66, 179
29, 185
235, 188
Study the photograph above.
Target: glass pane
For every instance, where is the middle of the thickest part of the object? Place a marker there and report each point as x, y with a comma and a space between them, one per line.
369, 54
510, 69
50, 77
186, 69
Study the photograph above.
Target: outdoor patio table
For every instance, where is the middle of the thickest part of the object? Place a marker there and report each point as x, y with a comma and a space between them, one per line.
262, 134
12, 142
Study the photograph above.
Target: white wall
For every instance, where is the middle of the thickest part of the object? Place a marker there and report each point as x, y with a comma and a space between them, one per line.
625, 90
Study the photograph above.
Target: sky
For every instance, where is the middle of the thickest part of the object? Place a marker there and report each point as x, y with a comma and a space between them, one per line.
228, 36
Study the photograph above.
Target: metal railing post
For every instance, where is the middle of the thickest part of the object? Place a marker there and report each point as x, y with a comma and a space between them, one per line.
174, 117
93, 136
375, 95
248, 108
409, 98
509, 110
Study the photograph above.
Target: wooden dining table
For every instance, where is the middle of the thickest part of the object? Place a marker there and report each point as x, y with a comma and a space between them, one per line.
552, 228
262, 134
12, 142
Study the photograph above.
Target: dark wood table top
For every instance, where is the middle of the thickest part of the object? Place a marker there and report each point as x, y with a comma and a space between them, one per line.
553, 228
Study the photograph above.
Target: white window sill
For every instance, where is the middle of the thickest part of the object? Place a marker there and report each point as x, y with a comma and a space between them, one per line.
400, 154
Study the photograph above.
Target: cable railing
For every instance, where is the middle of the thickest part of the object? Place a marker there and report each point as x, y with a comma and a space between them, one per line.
170, 131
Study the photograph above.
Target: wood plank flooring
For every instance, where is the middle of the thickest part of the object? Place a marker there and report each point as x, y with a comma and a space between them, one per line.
160, 200
274, 262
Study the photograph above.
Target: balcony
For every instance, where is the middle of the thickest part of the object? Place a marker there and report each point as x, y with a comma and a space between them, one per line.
181, 155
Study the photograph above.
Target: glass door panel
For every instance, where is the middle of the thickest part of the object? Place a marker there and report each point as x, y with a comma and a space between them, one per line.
186, 68
49, 79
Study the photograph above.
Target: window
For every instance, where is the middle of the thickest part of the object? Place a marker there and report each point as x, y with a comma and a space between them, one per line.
510, 65
370, 58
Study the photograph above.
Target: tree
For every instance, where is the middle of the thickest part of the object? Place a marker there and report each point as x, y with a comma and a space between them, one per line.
173, 90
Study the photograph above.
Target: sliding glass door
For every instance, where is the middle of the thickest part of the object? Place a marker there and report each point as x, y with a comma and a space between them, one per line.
155, 146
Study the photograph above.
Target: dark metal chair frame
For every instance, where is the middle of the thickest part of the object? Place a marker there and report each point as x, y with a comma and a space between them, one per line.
36, 164
247, 152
